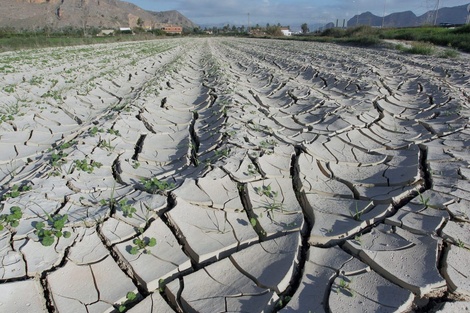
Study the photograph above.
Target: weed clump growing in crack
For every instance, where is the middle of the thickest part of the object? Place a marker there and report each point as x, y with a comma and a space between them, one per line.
130, 298
154, 185
344, 287
127, 209
53, 229
141, 245
12, 219
86, 166
16, 191
356, 215
94, 130
266, 191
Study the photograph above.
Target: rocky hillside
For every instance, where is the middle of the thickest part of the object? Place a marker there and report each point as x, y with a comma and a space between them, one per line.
454, 15
56, 14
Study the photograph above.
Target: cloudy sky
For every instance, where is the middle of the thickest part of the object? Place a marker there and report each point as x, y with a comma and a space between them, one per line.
286, 12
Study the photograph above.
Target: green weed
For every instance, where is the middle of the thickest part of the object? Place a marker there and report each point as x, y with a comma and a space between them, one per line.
12, 219
142, 245
53, 229
154, 185
86, 166
16, 191
130, 298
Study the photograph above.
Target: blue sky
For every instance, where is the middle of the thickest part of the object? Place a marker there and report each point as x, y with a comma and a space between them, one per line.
286, 12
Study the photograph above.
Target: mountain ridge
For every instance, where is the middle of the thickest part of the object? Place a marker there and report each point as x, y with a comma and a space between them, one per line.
453, 15
57, 14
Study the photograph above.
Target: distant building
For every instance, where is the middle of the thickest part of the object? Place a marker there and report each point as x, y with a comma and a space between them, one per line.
106, 32
173, 29
125, 30
286, 31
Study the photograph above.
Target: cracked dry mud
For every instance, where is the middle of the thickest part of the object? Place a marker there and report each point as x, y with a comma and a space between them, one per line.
233, 175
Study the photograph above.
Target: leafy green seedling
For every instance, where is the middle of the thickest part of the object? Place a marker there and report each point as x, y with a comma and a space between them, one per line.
267, 191
154, 185
357, 214
345, 287
114, 132
53, 229
84, 165
252, 170
12, 219
67, 145
424, 201
94, 130
106, 144
130, 297
16, 191
268, 144
142, 244
127, 209
161, 285
6, 118
222, 153
58, 159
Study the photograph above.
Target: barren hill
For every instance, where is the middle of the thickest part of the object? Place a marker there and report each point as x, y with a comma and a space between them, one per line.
454, 15
31, 14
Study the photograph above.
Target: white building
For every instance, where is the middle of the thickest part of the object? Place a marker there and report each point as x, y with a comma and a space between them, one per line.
286, 31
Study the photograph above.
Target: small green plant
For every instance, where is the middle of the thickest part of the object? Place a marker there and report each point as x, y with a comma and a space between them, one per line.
95, 130
283, 301
358, 238
130, 297
161, 285
86, 166
266, 191
460, 243
36, 80
222, 153
127, 209
6, 118
67, 145
106, 144
345, 287
268, 144
58, 158
135, 165
343, 284
424, 201
356, 215
114, 132
12, 219
154, 185
16, 191
142, 245
53, 229
9, 89
270, 207
252, 170
253, 221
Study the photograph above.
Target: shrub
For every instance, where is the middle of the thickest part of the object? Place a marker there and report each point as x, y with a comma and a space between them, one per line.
421, 48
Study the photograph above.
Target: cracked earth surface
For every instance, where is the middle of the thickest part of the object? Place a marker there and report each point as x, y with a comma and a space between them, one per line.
233, 175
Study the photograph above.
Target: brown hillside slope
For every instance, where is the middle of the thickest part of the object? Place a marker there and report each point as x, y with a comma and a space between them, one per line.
31, 14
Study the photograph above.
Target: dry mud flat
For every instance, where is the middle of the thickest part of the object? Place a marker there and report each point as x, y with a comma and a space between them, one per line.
226, 175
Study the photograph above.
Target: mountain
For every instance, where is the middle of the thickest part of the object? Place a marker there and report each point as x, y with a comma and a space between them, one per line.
56, 14
453, 15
